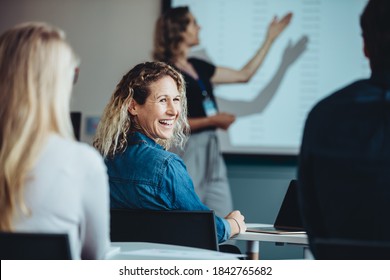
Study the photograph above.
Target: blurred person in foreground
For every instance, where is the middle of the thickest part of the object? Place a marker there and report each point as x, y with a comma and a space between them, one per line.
344, 162
49, 183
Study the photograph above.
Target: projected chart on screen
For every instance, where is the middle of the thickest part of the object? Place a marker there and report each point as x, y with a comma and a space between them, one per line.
319, 52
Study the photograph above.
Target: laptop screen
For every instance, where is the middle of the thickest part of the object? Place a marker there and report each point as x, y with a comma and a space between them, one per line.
289, 216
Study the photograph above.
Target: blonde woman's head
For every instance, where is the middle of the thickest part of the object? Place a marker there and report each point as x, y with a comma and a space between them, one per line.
36, 74
136, 90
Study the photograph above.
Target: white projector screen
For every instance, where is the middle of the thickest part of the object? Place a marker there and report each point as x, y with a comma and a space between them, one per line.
319, 52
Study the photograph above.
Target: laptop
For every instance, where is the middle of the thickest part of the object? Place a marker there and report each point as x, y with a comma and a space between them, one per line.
288, 220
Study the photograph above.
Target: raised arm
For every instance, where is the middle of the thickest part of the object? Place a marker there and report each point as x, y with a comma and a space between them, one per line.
256, 106
228, 75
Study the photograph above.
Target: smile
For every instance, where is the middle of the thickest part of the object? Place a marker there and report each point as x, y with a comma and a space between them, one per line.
167, 122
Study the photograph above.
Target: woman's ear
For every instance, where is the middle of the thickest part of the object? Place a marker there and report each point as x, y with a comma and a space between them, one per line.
133, 108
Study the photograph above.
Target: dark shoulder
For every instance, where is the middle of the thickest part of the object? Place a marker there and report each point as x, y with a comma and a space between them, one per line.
202, 66
200, 62
346, 95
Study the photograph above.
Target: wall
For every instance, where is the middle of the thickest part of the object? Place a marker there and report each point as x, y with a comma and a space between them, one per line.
110, 36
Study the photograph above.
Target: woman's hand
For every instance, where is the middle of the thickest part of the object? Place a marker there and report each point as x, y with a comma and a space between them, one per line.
236, 221
222, 120
225, 75
277, 26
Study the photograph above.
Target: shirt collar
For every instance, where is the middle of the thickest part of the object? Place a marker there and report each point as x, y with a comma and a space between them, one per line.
138, 137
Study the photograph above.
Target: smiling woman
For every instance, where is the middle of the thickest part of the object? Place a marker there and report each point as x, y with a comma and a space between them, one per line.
147, 114
143, 102
160, 111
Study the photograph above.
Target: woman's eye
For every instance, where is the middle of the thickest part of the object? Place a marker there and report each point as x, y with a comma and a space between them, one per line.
163, 100
177, 99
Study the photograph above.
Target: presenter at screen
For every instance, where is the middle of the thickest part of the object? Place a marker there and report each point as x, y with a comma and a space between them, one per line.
176, 32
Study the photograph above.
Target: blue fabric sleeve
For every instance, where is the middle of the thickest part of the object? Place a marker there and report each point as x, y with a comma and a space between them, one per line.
178, 187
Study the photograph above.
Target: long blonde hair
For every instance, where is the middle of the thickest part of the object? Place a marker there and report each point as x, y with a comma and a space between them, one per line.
36, 73
116, 122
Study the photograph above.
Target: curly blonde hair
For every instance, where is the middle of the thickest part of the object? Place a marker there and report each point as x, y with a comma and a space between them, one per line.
116, 122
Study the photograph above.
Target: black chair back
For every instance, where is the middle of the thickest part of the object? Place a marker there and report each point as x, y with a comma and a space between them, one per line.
185, 228
349, 249
76, 123
34, 246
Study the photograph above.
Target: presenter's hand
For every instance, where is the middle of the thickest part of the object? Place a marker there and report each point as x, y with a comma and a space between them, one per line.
236, 221
277, 26
223, 120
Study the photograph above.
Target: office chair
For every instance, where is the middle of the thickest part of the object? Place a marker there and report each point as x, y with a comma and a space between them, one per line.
350, 249
34, 246
76, 124
185, 228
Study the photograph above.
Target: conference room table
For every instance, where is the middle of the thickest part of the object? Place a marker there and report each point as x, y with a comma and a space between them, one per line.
158, 251
253, 240
144, 250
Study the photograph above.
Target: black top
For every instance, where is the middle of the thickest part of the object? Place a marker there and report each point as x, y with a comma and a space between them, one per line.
195, 97
344, 163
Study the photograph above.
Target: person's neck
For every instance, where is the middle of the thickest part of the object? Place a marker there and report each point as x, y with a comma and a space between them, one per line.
182, 55
182, 62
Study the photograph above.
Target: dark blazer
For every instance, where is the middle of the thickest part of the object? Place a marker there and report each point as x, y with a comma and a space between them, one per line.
344, 163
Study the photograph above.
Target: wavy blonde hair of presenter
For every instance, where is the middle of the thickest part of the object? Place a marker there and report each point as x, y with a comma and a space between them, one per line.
37, 69
168, 34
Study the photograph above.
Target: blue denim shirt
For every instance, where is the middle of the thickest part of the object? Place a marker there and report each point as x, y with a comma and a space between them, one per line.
145, 176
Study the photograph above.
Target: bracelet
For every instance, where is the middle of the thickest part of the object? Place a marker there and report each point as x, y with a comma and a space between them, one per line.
239, 228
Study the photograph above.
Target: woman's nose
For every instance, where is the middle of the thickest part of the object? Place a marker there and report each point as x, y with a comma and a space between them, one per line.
172, 108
